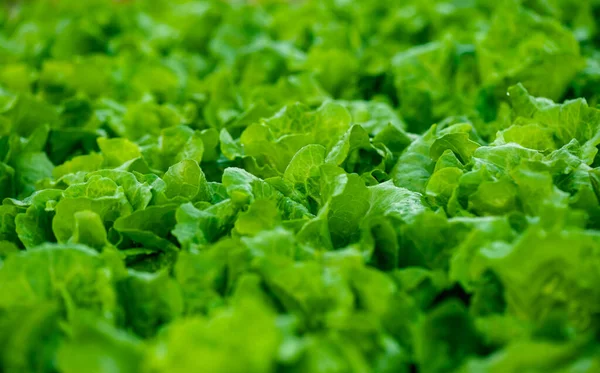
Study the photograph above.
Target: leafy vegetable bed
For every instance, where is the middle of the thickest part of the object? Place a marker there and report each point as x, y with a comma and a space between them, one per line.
311, 186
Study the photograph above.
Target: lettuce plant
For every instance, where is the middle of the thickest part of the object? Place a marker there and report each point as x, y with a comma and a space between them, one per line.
299, 186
